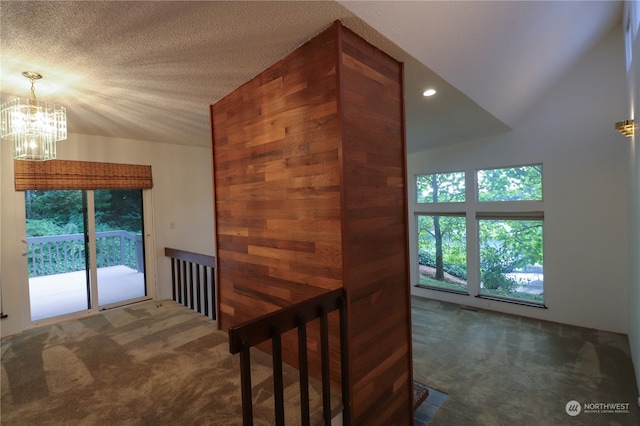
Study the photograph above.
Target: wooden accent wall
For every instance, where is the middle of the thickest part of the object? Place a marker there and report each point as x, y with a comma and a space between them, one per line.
375, 232
310, 195
277, 189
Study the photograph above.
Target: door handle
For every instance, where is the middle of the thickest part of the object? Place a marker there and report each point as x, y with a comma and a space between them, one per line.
26, 251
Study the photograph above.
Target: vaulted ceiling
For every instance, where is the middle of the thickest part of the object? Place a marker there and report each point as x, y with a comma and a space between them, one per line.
150, 70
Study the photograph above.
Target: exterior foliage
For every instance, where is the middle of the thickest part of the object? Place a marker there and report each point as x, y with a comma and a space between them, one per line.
55, 230
509, 247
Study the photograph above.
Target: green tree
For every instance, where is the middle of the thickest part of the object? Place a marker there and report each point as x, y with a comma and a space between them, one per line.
62, 209
510, 184
447, 255
440, 188
42, 228
505, 245
119, 209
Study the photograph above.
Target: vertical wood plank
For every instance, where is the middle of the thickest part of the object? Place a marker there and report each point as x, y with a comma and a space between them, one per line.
199, 289
245, 387
278, 388
205, 289
304, 373
326, 385
190, 284
174, 281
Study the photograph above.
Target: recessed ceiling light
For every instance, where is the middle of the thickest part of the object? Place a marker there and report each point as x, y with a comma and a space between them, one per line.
429, 92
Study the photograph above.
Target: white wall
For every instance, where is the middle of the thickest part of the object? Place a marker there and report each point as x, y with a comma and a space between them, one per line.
182, 193
633, 89
584, 160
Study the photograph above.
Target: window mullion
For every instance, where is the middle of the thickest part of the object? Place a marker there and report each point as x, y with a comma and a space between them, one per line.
473, 255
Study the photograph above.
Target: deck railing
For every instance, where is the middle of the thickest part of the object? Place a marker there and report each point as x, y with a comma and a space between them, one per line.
272, 326
59, 254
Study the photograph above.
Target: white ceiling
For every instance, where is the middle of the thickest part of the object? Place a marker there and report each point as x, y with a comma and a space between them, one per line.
149, 70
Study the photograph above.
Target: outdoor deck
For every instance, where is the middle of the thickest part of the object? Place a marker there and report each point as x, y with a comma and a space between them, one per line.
59, 294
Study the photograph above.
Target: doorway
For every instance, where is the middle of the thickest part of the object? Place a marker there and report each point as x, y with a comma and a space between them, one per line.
85, 250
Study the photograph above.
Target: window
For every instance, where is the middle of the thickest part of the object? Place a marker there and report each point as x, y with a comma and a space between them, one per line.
510, 184
440, 188
510, 241
493, 229
442, 251
511, 263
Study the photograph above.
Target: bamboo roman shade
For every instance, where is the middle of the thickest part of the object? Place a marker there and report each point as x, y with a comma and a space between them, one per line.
66, 174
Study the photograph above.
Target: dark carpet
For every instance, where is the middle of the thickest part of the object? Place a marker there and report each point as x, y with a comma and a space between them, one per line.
500, 369
154, 363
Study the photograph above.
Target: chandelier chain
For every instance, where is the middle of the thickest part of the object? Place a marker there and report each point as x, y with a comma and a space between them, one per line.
33, 100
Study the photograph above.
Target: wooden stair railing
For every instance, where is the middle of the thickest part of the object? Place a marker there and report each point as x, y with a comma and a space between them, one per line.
193, 280
272, 326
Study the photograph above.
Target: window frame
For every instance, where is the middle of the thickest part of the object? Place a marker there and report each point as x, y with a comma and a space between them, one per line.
460, 214
475, 209
522, 216
415, 188
483, 202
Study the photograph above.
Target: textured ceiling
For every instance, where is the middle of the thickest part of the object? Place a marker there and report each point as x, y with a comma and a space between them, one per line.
150, 70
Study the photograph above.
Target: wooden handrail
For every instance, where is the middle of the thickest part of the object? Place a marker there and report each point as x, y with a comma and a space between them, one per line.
193, 280
271, 326
200, 259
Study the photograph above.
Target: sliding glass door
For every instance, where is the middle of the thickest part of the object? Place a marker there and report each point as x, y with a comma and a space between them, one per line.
85, 250
119, 245
57, 253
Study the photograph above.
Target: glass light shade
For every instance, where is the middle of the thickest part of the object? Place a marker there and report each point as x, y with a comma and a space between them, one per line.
34, 126
626, 127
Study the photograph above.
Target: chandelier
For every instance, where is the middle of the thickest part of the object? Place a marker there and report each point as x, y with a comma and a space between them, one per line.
626, 127
35, 126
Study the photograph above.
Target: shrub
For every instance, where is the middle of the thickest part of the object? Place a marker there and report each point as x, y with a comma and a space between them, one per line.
459, 271
495, 263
